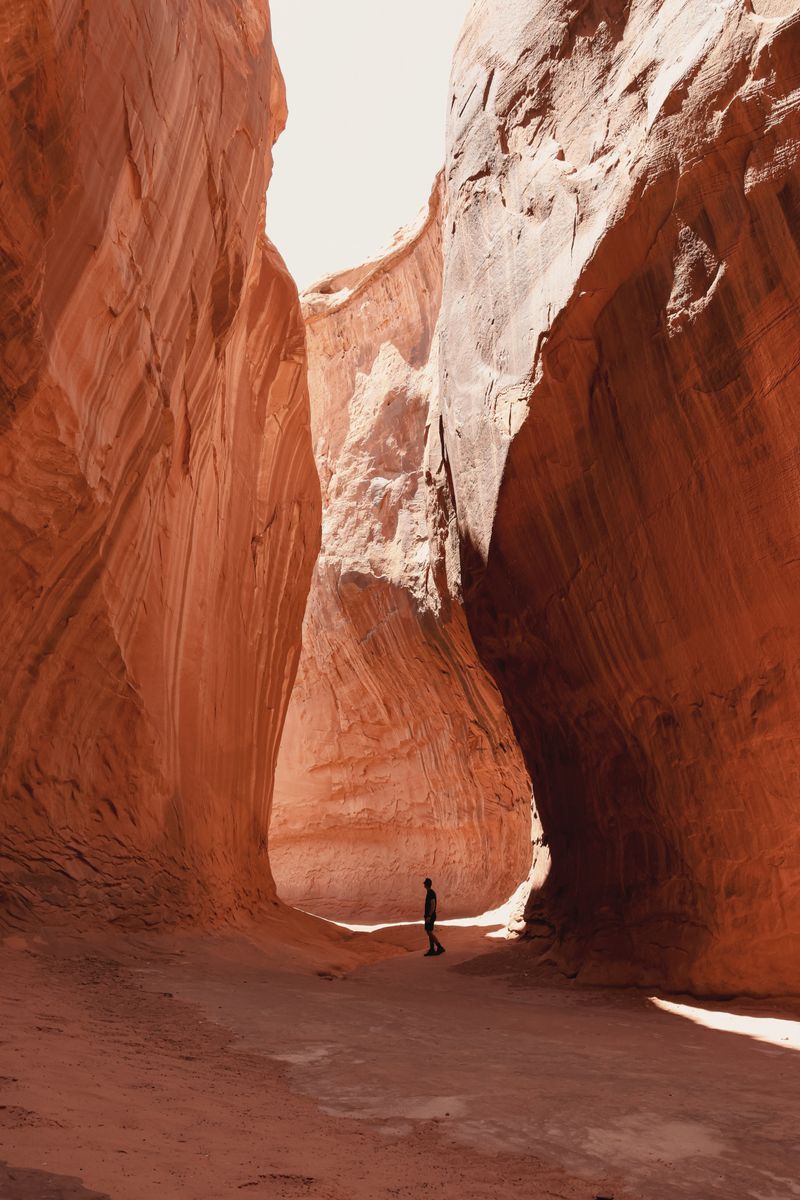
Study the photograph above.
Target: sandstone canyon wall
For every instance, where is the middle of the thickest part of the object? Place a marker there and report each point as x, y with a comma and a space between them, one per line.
620, 374
158, 499
397, 759
569, 399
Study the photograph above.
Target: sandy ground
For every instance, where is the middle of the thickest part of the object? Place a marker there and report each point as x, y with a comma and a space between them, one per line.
348, 1068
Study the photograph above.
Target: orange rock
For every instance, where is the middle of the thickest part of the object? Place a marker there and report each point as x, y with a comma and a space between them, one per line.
397, 759
158, 499
620, 364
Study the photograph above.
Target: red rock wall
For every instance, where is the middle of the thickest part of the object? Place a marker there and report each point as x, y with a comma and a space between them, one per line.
397, 759
621, 383
158, 499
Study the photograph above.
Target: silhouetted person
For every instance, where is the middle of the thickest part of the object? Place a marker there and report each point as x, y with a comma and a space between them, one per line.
430, 921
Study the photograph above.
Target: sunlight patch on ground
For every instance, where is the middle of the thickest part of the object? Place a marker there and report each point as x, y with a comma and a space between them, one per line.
496, 921
485, 919
776, 1031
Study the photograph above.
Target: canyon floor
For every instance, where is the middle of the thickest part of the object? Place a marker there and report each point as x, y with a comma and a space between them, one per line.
348, 1066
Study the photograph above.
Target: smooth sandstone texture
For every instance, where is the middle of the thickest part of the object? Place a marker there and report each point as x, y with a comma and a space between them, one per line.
397, 759
619, 356
159, 505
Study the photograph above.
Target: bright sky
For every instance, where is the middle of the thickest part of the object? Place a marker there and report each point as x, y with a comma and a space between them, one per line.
367, 85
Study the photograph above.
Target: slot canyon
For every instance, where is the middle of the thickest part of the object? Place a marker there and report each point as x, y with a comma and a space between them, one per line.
397, 757
479, 561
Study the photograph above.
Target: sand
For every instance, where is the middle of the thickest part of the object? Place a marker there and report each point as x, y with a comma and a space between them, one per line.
351, 1067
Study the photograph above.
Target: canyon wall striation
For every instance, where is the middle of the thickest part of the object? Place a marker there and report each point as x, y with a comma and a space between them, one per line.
158, 500
559, 438
620, 379
397, 759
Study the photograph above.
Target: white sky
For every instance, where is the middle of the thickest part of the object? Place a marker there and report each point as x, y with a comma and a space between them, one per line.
367, 86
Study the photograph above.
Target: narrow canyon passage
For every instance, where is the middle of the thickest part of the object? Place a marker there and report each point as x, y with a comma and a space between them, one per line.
479, 560
397, 759
556, 429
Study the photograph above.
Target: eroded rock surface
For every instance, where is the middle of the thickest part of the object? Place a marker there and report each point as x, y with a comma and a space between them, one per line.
397, 760
158, 499
620, 351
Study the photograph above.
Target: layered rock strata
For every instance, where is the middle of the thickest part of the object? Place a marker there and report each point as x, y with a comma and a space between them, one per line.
397, 759
620, 363
158, 500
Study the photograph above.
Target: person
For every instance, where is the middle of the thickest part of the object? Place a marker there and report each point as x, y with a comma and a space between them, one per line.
436, 946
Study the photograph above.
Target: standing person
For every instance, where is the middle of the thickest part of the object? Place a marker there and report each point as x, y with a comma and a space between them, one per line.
436, 946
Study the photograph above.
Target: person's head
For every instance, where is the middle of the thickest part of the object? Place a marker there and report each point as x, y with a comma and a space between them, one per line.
427, 883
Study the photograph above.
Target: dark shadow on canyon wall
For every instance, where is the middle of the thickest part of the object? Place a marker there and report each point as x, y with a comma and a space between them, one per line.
639, 604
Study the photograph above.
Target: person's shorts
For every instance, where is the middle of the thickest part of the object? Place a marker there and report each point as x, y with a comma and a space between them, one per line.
429, 924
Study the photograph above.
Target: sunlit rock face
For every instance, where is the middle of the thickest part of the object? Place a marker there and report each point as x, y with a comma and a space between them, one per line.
158, 499
619, 360
397, 759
